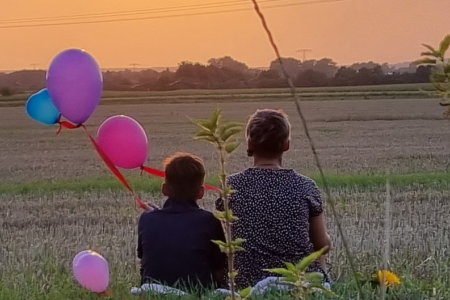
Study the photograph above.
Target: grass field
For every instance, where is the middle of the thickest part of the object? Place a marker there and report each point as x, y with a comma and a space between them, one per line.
56, 197
246, 95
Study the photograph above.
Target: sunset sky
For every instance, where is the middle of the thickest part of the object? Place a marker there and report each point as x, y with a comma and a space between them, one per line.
346, 31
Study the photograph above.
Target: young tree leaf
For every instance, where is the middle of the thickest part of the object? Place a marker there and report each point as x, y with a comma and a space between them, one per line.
313, 277
290, 267
230, 147
245, 292
280, 271
443, 47
427, 53
302, 265
425, 61
204, 124
432, 50
215, 119
208, 139
219, 243
232, 131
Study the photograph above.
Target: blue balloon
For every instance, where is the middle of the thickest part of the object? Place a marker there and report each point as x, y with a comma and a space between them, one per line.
40, 108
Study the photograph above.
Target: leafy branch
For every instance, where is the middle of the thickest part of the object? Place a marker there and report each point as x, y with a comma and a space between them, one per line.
440, 74
304, 283
222, 136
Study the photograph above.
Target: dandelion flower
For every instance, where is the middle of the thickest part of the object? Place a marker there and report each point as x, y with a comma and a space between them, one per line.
390, 279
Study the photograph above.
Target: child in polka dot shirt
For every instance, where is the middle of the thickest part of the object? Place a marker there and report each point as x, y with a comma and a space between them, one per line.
280, 212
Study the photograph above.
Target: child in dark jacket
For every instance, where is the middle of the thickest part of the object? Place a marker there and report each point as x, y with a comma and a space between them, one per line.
175, 243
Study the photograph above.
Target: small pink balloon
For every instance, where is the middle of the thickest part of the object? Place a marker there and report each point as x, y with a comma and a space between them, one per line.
92, 272
124, 141
79, 255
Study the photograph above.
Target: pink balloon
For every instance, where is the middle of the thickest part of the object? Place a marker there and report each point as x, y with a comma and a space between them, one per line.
79, 255
92, 272
124, 141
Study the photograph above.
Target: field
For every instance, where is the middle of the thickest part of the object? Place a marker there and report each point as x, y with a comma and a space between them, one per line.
57, 198
251, 95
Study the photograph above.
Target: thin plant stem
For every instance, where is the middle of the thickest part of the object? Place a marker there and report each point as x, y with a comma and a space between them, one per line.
387, 229
229, 251
311, 142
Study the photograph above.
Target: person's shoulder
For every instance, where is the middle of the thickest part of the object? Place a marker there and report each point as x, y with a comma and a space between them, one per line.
303, 180
147, 215
206, 215
238, 176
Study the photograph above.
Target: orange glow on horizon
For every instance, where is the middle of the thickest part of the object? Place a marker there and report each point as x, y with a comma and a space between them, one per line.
346, 31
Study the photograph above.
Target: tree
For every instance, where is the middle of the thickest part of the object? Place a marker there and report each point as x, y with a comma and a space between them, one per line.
311, 78
325, 66
6, 91
292, 66
229, 63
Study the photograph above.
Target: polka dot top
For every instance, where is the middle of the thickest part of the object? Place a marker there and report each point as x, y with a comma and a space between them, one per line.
273, 207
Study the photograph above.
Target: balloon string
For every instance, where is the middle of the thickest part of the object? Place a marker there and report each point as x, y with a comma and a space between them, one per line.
107, 161
161, 174
105, 294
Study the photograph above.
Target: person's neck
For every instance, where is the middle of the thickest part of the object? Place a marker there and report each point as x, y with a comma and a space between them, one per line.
267, 163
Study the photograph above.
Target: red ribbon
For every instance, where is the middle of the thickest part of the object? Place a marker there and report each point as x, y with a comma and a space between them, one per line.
162, 175
113, 168
106, 160
105, 294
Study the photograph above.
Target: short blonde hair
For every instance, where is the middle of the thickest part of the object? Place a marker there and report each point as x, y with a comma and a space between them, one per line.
268, 131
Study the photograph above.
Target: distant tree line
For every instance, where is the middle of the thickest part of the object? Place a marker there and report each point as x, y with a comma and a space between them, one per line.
227, 73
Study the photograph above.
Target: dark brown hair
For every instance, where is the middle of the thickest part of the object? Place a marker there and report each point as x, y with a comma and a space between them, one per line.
268, 131
185, 175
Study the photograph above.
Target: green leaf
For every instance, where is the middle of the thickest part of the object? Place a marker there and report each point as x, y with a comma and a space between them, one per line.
231, 146
239, 241
280, 271
229, 124
227, 134
309, 259
432, 50
443, 47
313, 277
245, 292
204, 124
219, 243
427, 53
290, 279
215, 119
425, 61
208, 139
290, 267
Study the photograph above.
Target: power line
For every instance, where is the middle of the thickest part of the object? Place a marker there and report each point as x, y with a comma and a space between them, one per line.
311, 2
133, 12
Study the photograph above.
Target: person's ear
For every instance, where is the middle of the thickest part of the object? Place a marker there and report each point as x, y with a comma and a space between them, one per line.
201, 193
287, 146
250, 149
164, 189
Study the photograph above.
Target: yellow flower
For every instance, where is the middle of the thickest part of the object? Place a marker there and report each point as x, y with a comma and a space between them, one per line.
390, 279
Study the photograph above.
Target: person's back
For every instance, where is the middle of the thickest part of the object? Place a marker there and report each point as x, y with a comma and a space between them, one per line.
273, 207
175, 243
280, 212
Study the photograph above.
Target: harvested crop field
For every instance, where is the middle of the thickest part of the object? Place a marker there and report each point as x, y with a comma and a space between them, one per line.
58, 198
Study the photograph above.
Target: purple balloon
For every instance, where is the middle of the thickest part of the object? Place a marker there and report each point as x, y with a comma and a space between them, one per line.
75, 84
92, 272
